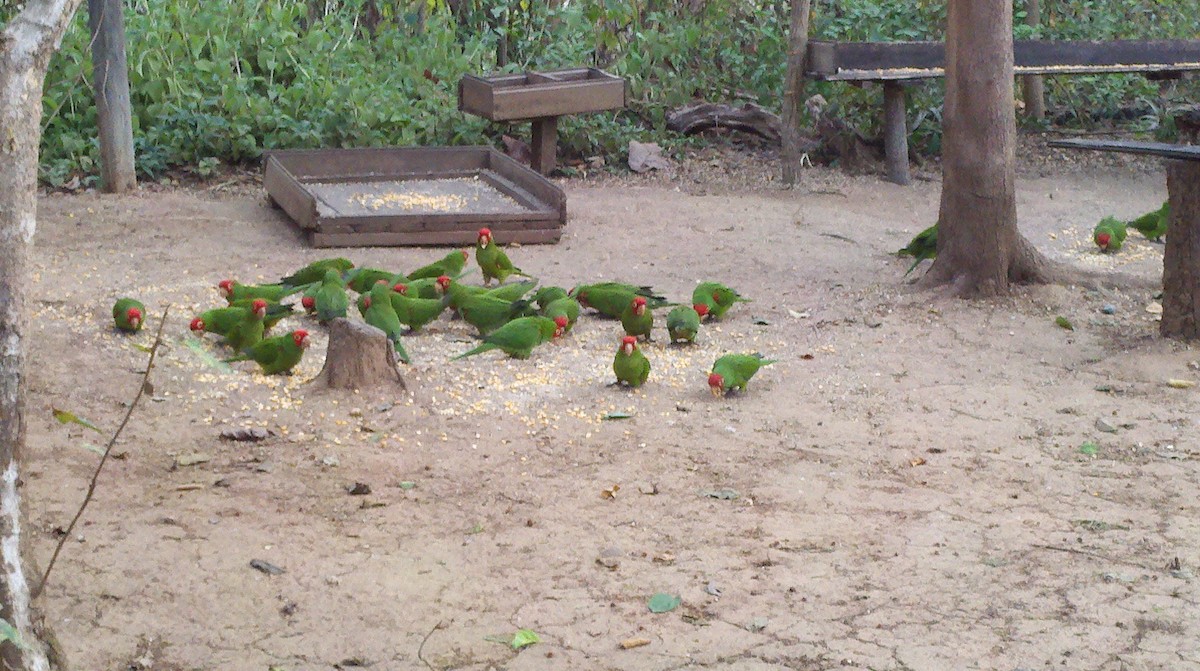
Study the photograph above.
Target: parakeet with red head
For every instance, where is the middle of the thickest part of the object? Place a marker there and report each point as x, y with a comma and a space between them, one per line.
611, 298
249, 329
129, 315
221, 320
683, 323
378, 312
232, 290
716, 299
637, 319
1109, 234
629, 365
518, 337
733, 371
276, 355
450, 265
492, 260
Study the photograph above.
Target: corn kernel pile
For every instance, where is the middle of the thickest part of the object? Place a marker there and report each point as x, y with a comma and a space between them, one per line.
410, 201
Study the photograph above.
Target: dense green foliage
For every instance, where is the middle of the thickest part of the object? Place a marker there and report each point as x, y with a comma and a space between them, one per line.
220, 80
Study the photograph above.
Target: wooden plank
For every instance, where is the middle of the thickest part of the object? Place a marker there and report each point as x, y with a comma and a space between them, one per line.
895, 133
318, 164
544, 100
110, 79
289, 194
451, 238
545, 144
527, 179
843, 61
508, 188
1182, 152
436, 222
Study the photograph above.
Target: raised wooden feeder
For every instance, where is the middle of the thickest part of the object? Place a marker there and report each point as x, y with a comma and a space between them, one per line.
413, 196
541, 97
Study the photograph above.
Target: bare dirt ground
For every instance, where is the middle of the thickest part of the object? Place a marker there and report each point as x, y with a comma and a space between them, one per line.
911, 492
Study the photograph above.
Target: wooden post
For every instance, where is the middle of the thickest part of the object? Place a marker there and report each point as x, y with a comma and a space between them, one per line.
895, 133
545, 144
1181, 259
110, 79
1033, 92
793, 89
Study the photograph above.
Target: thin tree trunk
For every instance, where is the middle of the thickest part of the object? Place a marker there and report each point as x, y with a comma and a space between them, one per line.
25, 48
794, 88
111, 81
1033, 90
1181, 260
980, 250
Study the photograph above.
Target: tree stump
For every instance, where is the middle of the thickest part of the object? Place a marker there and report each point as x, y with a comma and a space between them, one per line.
359, 356
1181, 259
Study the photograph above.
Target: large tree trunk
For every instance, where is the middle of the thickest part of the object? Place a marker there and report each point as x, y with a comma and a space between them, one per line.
980, 251
793, 90
1181, 260
25, 48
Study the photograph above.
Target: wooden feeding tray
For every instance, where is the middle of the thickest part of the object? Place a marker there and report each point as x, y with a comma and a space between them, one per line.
413, 196
541, 97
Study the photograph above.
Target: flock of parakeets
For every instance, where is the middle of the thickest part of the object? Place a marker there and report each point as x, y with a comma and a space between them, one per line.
508, 316
1109, 235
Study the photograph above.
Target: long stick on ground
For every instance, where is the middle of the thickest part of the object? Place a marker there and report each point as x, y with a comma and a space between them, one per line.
104, 458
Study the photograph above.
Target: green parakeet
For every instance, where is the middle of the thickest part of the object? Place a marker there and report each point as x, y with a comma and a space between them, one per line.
683, 323
492, 260
1153, 225
564, 307
331, 301
922, 246
714, 299
547, 295
249, 329
450, 265
380, 314
457, 293
128, 315
1109, 234
611, 298
636, 318
361, 303
235, 291
511, 292
518, 337
314, 271
733, 371
425, 287
630, 365
276, 355
488, 314
221, 320
416, 312
362, 279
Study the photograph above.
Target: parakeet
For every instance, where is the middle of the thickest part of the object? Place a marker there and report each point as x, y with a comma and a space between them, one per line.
425, 287
362, 279
308, 300
234, 291
457, 293
221, 320
276, 355
1153, 225
683, 323
716, 299
733, 371
380, 314
314, 271
511, 292
547, 295
922, 246
1109, 234
518, 337
415, 312
128, 315
630, 365
611, 298
488, 314
249, 329
331, 301
492, 260
636, 319
450, 265
564, 307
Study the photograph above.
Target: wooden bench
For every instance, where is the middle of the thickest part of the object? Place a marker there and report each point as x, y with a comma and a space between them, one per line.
1181, 258
896, 63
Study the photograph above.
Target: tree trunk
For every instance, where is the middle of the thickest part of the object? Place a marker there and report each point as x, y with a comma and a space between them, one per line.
25, 48
793, 90
359, 356
980, 251
1033, 90
110, 78
1181, 259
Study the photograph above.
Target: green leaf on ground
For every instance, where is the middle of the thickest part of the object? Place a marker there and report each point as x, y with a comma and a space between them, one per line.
9, 633
205, 356
65, 417
618, 415
524, 638
1063, 322
663, 602
1089, 448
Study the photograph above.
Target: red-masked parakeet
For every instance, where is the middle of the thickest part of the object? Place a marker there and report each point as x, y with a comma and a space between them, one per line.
637, 319
380, 314
128, 315
249, 329
276, 355
518, 337
716, 299
922, 246
683, 323
733, 371
450, 265
611, 298
221, 320
492, 260
415, 312
330, 301
630, 365
235, 291
1153, 225
314, 271
1109, 234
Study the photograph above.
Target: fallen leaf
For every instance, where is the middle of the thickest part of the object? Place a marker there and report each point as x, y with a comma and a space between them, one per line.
407, 484
477, 529
205, 356
191, 459
1089, 448
664, 558
917, 462
265, 567
618, 415
1063, 322
1180, 384
9, 633
631, 643
190, 487
663, 603
142, 348
65, 417
610, 493
524, 638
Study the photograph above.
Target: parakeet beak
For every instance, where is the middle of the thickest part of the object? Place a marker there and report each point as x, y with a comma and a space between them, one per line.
627, 349
716, 391
716, 384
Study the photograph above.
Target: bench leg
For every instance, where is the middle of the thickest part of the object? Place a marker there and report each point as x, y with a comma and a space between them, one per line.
545, 144
1181, 258
895, 133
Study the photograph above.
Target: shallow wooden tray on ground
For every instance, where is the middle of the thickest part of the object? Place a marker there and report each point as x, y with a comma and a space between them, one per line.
413, 196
